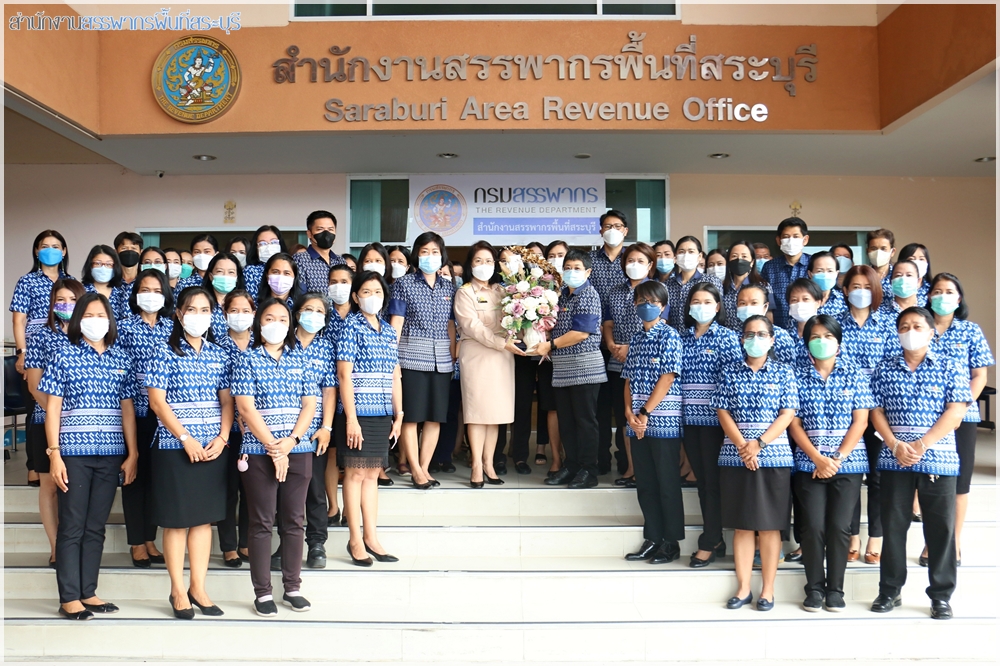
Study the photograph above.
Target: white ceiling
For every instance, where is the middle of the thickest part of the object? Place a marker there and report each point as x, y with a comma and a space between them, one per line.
942, 142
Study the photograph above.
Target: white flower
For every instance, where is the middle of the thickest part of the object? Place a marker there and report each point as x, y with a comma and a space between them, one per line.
537, 272
552, 297
530, 303
531, 315
507, 322
523, 286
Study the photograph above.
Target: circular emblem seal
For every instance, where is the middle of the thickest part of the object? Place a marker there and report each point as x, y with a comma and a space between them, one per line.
441, 209
196, 79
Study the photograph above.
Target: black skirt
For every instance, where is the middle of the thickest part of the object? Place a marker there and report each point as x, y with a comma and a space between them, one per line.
759, 500
187, 494
425, 396
36, 443
374, 451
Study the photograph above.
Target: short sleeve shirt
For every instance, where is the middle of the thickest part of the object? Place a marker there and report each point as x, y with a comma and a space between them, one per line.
374, 357
31, 296
143, 344
251, 278
867, 345
314, 271
424, 343
678, 293
779, 274
118, 300
619, 309
42, 350
333, 332
835, 304
732, 296
652, 354
788, 347
605, 273
965, 343
702, 363
583, 362
321, 365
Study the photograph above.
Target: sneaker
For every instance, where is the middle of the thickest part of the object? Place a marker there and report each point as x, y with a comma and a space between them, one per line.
265, 608
813, 602
835, 602
299, 604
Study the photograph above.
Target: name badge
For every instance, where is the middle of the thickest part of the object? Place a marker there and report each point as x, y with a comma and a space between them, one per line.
295, 371
773, 387
848, 392
934, 390
215, 366
654, 361
708, 351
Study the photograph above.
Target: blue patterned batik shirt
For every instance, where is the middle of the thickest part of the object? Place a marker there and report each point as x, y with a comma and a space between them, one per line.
424, 342
964, 341
374, 357
703, 361
583, 362
143, 344
652, 354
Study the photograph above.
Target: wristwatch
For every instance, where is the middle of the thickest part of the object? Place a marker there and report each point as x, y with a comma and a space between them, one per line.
837, 455
328, 428
761, 443
18, 352
643, 411
298, 440
183, 438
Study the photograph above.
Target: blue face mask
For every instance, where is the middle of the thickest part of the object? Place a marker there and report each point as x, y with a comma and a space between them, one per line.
574, 278
703, 312
757, 347
904, 286
430, 263
312, 321
648, 312
825, 281
224, 283
50, 256
459, 281
760, 264
844, 264
102, 274
664, 265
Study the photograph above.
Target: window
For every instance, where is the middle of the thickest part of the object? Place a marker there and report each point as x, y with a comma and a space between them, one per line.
819, 239
379, 209
644, 203
508, 8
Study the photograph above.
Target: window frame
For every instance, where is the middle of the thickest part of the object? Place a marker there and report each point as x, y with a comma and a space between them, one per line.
599, 16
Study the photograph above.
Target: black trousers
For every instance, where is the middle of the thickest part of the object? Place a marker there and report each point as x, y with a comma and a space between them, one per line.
578, 428
873, 446
657, 464
606, 413
29, 405
937, 506
237, 514
826, 509
702, 445
617, 387
83, 513
449, 429
137, 497
317, 517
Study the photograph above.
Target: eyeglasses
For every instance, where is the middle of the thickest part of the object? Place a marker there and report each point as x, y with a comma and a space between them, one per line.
263, 243
616, 227
98, 264
750, 335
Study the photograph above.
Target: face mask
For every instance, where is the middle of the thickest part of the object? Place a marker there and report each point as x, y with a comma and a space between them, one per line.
64, 310
201, 261
823, 348
483, 272
636, 271
154, 267
186, 271
944, 304
102, 274
757, 347
375, 267
648, 311
514, 265
324, 240
687, 261
459, 281
760, 264
339, 293
802, 311
717, 271
744, 312
150, 302
825, 281
398, 271
860, 298
239, 321
445, 277
904, 286
129, 258
267, 250
50, 256
430, 263
739, 266
878, 258
224, 283
792, 246
574, 278
274, 333
312, 321
613, 237
844, 264
557, 262
242, 258
95, 328
280, 284
703, 312
913, 340
371, 304
664, 265
173, 271
921, 267
195, 325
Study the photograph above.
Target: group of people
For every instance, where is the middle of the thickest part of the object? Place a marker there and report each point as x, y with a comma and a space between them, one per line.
213, 398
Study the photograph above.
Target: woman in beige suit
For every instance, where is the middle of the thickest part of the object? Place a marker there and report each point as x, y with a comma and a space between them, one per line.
486, 358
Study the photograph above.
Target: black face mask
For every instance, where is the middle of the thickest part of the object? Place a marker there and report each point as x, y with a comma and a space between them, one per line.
129, 258
324, 240
739, 266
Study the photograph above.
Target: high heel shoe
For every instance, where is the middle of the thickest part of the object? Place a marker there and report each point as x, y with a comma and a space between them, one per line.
476, 484
334, 520
211, 611
492, 481
143, 563
423, 486
384, 557
720, 549
367, 562
183, 614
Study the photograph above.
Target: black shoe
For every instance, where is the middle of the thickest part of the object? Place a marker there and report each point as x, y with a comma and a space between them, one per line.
183, 614
923, 560
688, 484
940, 610
144, 563
298, 603
917, 518
720, 549
157, 559
385, 557
37, 483
234, 563
813, 602
423, 486
583, 479
522, 467
476, 484
500, 467
794, 557
492, 481
102, 609
559, 478
736, 602
668, 552
434, 467
835, 602
78, 615
645, 552
276, 561
317, 557
765, 604
448, 467
384, 483
625, 481
884, 603
264, 608
245, 558
343, 521
367, 562
52, 564
334, 520
211, 611
697, 563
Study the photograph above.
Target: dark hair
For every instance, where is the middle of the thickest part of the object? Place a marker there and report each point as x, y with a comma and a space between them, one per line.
49, 233
128, 236
907, 254
82, 303
713, 291
427, 238
880, 233
183, 298
718, 252
367, 276
842, 246
168, 293
614, 212
759, 287
482, 245
258, 339
962, 312
348, 255
555, 244
402, 249
915, 309
577, 255
253, 257
689, 239
62, 283
819, 255
645, 250
770, 329
116, 269
305, 298
209, 238
755, 277
319, 215
264, 290
668, 243
154, 250
378, 249
807, 285
869, 274
651, 289
238, 239
233, 295
340, 267
172, 249
827, 322
761, 246
790, 222
206, 281
536, 244
898, 263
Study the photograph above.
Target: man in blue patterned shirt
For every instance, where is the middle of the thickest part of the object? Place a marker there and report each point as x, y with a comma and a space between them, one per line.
793, 235
316, 260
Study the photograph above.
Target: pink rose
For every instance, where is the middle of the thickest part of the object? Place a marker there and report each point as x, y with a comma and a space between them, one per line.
548, 277
517, 310
537, 291
511, 289
543, 309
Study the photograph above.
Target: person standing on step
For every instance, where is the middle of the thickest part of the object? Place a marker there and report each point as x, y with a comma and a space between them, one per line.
128, 245
203, 248
684, 277
316, 260
339, 292
102, 274
264, 244
793, 264
880, 244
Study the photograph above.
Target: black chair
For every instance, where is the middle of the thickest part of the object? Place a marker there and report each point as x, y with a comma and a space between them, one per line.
15, 402
984, 397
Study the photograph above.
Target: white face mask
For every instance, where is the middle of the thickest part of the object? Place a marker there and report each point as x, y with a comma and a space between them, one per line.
371, 304
274, 333
514, 264
717, 271
339, 293
860, 298
266, 250
239, 321
744, 312
613, 237
557, 262
482, 271
242, 258
913, 340
95, 328
173, 271
195, 325
921, 267
375, 266
688, 261
636, 270
792, 246
150, 302
398, 270
802, 311
201, 261
878, 258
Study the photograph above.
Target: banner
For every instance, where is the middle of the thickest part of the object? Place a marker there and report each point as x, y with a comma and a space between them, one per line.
507, 209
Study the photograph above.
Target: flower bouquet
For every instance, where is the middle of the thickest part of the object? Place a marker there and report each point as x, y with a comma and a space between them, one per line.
532, 300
